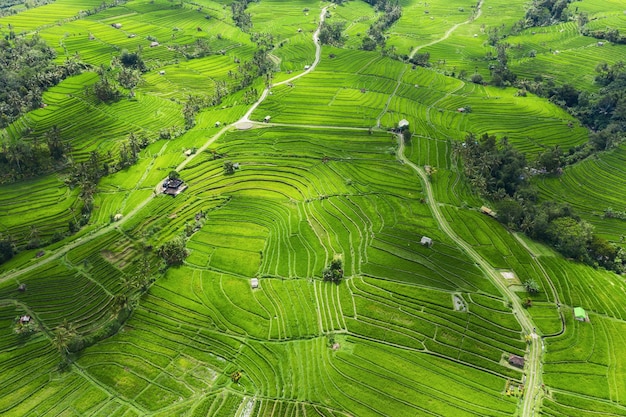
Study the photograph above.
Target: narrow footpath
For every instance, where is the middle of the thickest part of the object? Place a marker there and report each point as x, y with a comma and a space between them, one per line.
533, 392
82, 240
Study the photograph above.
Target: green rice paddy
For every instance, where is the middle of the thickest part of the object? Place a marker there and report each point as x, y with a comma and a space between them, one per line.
411, 329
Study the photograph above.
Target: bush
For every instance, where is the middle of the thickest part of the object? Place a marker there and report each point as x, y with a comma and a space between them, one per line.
174, 251
477, 79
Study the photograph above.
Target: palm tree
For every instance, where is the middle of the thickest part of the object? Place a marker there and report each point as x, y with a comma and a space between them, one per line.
63, 335
121, 302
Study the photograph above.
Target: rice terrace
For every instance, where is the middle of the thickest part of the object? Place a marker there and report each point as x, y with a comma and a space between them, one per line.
310, 208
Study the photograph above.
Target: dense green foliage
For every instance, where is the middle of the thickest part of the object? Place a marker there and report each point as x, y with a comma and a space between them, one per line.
26, 70
546, 12
376, 33
500, 173
173, 252
331, 33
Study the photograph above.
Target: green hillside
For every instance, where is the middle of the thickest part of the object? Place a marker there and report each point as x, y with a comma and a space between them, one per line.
327, 252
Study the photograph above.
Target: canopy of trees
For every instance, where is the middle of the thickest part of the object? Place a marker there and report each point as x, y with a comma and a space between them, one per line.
26, 70
495, 168
500, 173
331, 33
546, 12
334, 271
174, 251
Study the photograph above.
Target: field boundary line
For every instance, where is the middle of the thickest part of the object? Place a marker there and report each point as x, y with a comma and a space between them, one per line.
479, 11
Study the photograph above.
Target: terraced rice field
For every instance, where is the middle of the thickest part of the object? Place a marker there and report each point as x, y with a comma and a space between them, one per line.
412, 329
592, 187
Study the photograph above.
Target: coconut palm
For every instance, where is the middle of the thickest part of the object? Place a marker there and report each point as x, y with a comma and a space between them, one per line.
63, 335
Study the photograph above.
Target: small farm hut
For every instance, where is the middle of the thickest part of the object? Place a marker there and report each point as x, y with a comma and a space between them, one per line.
25, 319
306, 67
580, 314
426, 241
173, 187
486, 210
403, 124
154, 44
161, 72
117, 25
254, 283
21, 288
516, 361
267, 119
217, 124
118, 217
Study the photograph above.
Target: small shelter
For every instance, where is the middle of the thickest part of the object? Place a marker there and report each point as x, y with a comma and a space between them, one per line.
117, 25
21, 287
25, 319
217, 124
267, 119
580, 314
118, 217
306, 67
173, 187
486, 210
426, 241
154, 44
254, 283
162, 72
403, 124
516, 361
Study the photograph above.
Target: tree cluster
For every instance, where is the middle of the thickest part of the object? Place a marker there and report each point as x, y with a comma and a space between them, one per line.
500, 173
243, 19
608, 34
331, 33
376, 33
26, 71
7, 249
603, 112
173, 252
334, 271
30, 156
199, 49
546, 12
493, 167
260, 66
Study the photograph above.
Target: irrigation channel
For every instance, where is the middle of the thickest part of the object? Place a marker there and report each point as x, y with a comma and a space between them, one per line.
533, 392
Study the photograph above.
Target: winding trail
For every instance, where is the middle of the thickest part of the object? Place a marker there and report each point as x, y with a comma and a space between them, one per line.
533, 391
88, 237
479, 11
318, 55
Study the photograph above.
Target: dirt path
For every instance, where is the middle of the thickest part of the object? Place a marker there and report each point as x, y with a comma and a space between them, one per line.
318, 55
479, 11
99, 232
533, 393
